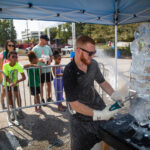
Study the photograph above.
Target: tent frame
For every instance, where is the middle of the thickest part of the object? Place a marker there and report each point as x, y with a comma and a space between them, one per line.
61, 11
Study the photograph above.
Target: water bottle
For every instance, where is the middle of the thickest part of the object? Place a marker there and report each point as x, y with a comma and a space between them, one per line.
44, 57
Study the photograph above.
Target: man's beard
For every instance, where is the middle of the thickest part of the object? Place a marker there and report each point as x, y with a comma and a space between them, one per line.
84, 61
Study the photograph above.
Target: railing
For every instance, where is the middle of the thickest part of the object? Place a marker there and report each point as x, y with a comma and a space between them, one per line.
25, 100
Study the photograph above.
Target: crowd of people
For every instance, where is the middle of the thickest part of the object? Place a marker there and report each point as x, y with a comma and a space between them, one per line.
38, 72
87, 108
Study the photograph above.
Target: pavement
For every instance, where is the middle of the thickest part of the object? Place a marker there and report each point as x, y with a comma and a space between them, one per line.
50, 130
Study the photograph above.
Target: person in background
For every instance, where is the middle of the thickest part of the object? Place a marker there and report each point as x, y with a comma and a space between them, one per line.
87, 107
58, 82
7, 69
34, 79
43, 51
9, 46
29, 48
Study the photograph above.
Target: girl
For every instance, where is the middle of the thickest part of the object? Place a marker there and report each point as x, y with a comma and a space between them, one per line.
34, 79
9, 46
58, 82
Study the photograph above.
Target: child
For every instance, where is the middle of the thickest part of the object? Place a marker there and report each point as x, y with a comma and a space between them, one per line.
58, 82
9, 46
7, 69
34, 79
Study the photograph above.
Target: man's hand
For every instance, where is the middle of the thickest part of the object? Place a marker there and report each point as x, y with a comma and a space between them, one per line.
116, 96
105, 114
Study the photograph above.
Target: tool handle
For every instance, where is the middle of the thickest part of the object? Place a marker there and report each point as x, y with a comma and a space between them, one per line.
115, 106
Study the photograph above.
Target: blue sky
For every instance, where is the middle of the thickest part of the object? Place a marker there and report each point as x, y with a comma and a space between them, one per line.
21, 25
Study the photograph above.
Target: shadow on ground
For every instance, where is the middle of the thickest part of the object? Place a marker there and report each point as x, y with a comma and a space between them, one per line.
39, 131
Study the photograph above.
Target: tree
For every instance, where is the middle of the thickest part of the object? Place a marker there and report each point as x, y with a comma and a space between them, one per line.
7, 31
53, 33
63, 32
100, 33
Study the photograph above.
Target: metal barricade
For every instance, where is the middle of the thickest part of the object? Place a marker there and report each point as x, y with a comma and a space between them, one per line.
4, 91
26, 92
24, 96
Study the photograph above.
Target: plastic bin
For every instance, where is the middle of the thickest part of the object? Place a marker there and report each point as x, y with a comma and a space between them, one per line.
118, 53
72, 54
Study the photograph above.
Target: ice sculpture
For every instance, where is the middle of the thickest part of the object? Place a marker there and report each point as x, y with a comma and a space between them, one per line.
140, 70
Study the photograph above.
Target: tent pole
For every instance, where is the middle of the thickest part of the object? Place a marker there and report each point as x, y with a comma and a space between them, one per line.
48, 34
73, 36
116, 69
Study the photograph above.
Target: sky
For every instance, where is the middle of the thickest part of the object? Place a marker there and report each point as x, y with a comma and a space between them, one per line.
21, 25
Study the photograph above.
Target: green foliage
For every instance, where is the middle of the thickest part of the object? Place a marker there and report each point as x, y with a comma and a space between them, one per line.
125, 51
7, 31
63, 32
100, 33
53, 33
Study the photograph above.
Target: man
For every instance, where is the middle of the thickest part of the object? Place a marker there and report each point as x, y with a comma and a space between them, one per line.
88, 107
44, 52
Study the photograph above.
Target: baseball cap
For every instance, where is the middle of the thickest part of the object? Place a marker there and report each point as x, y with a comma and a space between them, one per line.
45, 37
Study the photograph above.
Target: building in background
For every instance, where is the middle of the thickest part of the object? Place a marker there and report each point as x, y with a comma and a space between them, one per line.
28, 35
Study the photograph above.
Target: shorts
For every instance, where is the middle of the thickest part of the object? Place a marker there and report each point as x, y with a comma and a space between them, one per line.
35, 90
9, 88
46, 77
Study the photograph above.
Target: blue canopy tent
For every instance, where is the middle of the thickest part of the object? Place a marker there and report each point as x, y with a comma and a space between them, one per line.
108, 12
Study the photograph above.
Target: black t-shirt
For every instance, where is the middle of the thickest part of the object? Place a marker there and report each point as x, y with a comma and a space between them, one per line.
80, 86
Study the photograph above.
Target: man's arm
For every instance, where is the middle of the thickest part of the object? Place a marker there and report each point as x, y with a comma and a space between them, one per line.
104, 114
81, 108
107, 87
115, 95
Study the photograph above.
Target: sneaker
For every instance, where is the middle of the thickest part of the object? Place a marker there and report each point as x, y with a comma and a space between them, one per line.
49, 99
12, 117
39, 110
20, 114
43, 102
16, 123
61, 108
9, 122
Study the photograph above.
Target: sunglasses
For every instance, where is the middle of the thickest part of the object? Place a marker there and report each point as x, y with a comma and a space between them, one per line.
14, 56
90, 53
11, 45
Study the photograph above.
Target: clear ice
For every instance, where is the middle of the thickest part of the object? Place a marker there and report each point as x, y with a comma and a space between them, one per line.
140, 71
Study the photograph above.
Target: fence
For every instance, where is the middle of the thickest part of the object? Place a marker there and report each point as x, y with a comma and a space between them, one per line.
23, 93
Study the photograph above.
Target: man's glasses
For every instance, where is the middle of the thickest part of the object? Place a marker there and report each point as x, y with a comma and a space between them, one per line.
90, 53
14, 56
11, 45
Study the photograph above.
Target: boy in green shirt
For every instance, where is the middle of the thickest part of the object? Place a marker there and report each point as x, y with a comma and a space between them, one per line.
7, 69
34, 79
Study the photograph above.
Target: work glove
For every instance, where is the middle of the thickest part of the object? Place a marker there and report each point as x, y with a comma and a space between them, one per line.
116, 96
105, 114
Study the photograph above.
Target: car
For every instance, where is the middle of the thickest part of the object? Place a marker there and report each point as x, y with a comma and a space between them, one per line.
67, 50
28, 49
